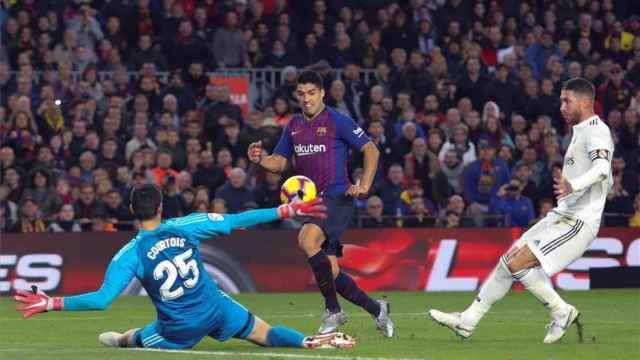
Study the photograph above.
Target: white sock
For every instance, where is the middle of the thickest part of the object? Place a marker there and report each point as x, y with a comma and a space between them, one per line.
539, 284
494, 289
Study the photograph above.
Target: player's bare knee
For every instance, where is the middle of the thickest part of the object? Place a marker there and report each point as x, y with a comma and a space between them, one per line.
521, 259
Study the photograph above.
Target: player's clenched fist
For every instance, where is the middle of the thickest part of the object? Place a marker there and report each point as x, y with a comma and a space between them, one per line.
313, 208
35, 302
255, 152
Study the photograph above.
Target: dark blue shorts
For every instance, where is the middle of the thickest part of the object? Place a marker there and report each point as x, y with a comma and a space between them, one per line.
340, 209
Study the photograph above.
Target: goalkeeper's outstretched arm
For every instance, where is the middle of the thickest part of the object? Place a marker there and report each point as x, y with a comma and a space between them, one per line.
119, 273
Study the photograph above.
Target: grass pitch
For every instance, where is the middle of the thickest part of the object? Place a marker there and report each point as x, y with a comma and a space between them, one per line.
514, 329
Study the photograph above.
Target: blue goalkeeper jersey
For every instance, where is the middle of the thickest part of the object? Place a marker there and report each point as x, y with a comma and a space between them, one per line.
167, 263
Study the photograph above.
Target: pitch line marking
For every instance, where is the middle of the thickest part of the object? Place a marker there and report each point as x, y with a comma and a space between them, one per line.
270, 355
216, 353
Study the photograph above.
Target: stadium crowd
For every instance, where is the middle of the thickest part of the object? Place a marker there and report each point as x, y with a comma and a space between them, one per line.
463, 105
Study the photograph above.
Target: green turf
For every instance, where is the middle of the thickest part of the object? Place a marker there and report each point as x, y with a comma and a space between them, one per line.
513, 330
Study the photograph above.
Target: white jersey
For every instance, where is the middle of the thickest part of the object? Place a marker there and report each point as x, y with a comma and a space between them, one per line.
587, 205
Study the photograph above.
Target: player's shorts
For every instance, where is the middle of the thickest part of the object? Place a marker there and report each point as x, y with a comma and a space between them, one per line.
340, 210
231, 320
557, 241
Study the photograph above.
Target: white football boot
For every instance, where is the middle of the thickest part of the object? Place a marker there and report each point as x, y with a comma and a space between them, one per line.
334, 340
110, 339
560, 322
453, 321
383, 321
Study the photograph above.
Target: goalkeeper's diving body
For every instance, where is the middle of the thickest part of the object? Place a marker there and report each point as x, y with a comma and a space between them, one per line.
164, 256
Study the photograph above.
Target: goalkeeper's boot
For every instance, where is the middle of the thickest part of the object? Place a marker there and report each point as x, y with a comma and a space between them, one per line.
560, 322
110, 339
383, 321
115, 339
332, 321
453, 321
334, 340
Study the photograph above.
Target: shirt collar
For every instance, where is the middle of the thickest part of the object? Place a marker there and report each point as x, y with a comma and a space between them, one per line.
584, 123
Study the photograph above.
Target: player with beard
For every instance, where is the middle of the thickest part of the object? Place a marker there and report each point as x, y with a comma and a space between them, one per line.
564, 234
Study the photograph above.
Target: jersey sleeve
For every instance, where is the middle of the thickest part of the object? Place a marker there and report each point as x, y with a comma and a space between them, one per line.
599, 144
284, 147
201, 226
349, 131
120, 272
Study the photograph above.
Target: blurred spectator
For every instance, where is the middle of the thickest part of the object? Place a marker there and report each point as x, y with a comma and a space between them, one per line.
615, 92
235, 192
219, 206
483, 178
41, 190
230, 49
208, 174
374, 217
419, 215
460, 143
87, 206
391, 189
420, 165
30, 220
267, 194
116, 213
540, 51
448, 180
509, 201
164, 169
219, 105
618, 202
65, 221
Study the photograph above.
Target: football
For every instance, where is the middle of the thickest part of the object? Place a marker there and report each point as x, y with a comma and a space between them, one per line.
297, 188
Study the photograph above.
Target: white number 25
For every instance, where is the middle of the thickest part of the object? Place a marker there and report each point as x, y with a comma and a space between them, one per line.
172, 268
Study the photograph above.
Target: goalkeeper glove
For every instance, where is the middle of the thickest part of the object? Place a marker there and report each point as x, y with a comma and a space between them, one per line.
312, 208
35, 302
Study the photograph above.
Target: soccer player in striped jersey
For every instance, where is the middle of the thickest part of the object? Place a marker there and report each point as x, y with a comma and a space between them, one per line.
565, 233
317, 143
165, 258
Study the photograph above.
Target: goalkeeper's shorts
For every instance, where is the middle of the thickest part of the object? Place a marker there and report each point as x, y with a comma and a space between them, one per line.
232, 320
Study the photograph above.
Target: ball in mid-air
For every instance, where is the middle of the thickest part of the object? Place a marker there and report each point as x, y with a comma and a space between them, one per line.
297, 188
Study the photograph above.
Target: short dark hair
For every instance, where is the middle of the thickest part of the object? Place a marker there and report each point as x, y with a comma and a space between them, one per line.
310, 77
145, 202
580, 86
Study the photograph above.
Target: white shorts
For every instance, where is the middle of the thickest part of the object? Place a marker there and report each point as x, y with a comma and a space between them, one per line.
557, 241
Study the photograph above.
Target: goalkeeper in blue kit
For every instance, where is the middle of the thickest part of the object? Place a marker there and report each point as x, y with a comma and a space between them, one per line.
164, 256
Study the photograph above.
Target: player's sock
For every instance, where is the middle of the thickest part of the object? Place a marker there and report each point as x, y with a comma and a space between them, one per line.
321, 267
538, 283
494, 289
280, 336
349, 290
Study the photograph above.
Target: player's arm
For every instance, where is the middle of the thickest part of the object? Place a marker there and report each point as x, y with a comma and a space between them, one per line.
355, 136
119, 273
371, 158
277, 162
600, 151
211, 225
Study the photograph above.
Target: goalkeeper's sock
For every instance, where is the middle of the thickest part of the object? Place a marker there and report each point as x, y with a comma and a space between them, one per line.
539, 284
321, 267
494, 289
280, 336
349, 290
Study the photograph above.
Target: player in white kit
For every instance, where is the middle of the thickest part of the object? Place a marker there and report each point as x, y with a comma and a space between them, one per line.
564, 234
